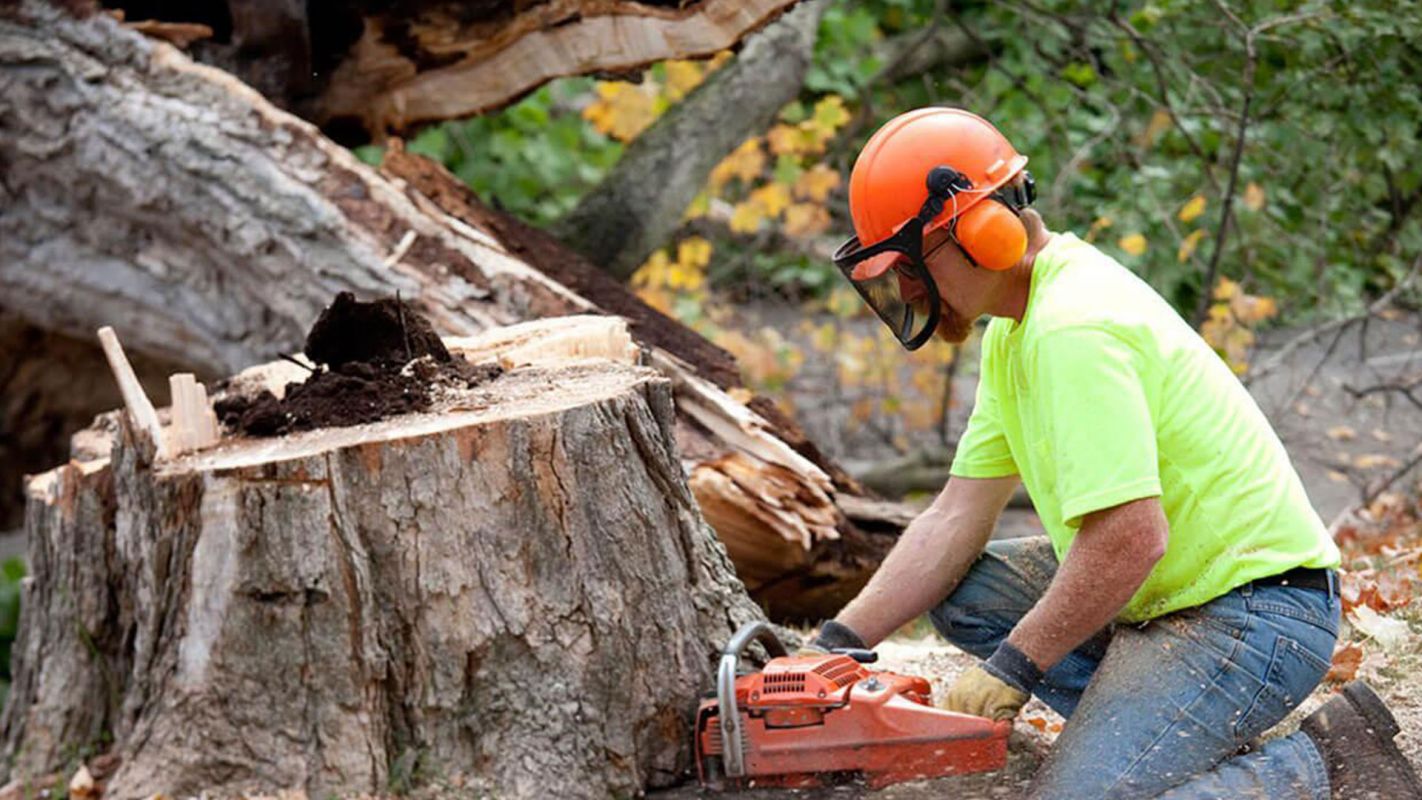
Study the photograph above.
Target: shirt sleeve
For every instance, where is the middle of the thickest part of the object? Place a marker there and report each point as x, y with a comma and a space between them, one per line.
982, 450
1094, 404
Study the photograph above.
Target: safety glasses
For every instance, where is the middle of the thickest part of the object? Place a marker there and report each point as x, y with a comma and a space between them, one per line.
894, 281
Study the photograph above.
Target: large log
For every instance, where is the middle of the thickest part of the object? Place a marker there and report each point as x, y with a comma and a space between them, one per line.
166, 199
514, 590
365, 68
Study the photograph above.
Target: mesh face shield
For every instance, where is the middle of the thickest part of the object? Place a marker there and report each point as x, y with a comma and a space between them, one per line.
894, 281
892, 275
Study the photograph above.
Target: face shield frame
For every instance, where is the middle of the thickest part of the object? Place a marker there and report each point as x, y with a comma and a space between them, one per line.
877, 292
883, 292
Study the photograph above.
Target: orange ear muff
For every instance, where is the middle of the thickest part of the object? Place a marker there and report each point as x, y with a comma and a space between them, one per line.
992, 235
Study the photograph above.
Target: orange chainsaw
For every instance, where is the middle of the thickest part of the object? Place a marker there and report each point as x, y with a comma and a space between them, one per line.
807, 720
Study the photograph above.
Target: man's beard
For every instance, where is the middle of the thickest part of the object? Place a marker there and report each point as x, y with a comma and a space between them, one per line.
953, 327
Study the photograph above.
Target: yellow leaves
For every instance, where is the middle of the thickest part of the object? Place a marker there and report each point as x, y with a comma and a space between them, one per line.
1188, 245
786, 140
1226, 289
746, 217
622, 110
1229, 329
765, 202
811, 135
661, 277
816, 183
1134, 243
805, 219
683, 76
1192, 209
767, 360
698, 207
773, 197
694, 252
746, 163
1100, 224
1254, 198
1159, 124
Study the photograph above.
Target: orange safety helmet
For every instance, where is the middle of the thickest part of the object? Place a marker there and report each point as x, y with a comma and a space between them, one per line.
889, 185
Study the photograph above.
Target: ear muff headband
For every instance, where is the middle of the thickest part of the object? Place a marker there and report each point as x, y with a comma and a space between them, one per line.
991, 234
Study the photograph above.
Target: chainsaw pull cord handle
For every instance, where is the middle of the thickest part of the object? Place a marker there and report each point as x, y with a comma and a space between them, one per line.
732, 753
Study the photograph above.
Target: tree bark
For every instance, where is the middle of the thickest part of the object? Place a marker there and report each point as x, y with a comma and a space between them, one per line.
368, 68
635, 209
209, 228
514, 594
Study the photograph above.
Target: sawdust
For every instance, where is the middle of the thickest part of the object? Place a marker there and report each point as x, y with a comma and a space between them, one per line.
376, 360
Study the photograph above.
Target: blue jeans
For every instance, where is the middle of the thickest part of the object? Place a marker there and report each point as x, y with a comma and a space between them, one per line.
1165, 708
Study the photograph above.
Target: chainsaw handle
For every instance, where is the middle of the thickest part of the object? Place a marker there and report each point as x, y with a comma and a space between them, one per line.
760, 631
732, 753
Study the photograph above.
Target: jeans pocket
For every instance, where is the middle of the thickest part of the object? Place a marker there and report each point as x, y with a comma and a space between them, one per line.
1293, 672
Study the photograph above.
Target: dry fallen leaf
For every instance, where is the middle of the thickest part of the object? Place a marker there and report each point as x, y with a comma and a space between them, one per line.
1375, 460
1342, 433
81, 786
1346, 660
1386, 631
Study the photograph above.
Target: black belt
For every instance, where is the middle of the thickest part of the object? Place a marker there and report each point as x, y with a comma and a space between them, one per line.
1304, 577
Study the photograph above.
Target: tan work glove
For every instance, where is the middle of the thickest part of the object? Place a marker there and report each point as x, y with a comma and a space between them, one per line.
977, 692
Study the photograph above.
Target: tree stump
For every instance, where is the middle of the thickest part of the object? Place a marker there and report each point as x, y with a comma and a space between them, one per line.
513, 593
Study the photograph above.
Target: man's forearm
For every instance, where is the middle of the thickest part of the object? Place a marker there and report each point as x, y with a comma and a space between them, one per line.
931, 556
1109, 560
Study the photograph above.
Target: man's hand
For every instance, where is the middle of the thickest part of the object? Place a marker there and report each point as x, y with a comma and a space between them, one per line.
977, 692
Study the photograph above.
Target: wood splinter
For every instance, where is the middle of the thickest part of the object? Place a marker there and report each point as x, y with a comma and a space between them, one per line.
135, 400
194, 424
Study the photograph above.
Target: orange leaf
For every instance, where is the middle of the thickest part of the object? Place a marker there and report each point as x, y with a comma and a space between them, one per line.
1346, 660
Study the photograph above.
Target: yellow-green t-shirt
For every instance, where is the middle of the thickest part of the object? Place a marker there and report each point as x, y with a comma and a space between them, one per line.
1102, 395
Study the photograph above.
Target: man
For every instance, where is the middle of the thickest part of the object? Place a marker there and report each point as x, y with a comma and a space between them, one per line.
1185, 597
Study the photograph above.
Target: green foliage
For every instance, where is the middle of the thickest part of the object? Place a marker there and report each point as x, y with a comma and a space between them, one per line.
11, 573
534, 159
1128, 116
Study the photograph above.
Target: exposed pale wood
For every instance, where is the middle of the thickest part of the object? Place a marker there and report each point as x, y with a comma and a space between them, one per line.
516, 586
409, 68
140, 408
550, 341
193, 424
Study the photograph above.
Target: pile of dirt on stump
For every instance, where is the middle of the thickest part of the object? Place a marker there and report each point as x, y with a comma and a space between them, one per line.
375, 360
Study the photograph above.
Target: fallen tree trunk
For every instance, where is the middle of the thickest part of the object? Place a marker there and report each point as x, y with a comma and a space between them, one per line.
365, 68
164, 198
513, 594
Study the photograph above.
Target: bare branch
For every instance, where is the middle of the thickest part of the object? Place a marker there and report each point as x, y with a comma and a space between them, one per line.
1319, 331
